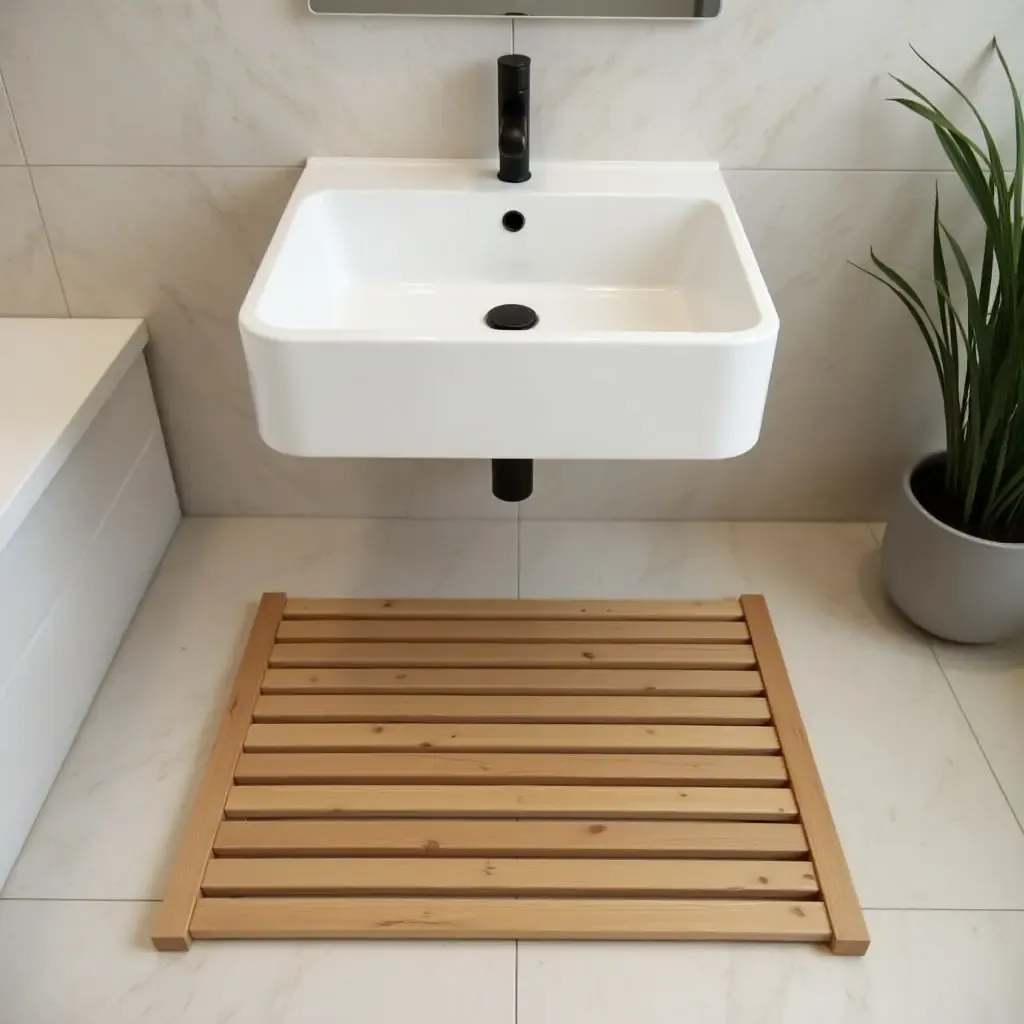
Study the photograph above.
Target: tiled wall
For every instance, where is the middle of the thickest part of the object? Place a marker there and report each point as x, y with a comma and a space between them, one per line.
152, 147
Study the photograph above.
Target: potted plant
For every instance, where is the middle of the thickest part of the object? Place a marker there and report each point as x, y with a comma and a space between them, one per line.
953, 554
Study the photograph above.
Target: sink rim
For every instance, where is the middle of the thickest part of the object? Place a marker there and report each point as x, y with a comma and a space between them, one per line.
702, 180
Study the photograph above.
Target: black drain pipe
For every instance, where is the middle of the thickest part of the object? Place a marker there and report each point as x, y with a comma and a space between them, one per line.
512, 479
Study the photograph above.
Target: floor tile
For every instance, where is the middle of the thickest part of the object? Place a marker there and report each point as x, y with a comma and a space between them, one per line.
989, 683
90, 963
922, 818
110, 825
925, 967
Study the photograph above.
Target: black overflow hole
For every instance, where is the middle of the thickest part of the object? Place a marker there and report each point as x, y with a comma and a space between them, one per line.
512, 318
513, 221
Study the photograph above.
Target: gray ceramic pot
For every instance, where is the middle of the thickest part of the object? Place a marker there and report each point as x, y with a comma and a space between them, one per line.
953, 585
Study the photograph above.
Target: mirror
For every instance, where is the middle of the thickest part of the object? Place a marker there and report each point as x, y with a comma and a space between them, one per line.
526, 8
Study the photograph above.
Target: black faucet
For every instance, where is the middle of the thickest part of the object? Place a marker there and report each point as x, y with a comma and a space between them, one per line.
514, 117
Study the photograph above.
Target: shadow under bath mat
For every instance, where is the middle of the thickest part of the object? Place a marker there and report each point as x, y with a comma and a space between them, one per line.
511, 770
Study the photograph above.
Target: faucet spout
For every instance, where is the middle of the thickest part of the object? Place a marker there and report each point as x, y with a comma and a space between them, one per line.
514, 117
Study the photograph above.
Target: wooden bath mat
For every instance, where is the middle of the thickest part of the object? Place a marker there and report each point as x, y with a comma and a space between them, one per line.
511, 769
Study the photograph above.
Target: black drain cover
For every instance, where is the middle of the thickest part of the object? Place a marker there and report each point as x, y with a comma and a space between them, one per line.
512, 318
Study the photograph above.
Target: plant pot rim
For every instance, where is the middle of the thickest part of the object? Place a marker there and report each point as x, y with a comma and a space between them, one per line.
912, 498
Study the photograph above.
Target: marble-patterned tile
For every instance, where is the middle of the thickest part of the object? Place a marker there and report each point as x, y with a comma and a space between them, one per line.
923, 968
110, 825
922, 819
853, 398
28, 279
262, 82
989, 683
90, 963
179, 246
770, 83
10, 147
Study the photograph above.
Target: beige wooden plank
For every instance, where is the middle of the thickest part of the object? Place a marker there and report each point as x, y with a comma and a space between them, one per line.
703, 803
325, 917
661, 879
171, 930
513, 681
580, 631
472, 708
511, 655
498, 769
498, 738
503, 838
355, 608
850, 934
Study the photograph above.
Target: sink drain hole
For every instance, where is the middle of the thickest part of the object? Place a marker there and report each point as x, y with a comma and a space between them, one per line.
512, 318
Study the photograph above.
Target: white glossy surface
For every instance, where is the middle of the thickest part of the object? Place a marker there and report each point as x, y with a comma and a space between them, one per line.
365, 336
71, 578
56, 375
935, 849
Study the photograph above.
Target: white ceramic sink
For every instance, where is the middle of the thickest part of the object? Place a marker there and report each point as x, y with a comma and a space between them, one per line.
365, 336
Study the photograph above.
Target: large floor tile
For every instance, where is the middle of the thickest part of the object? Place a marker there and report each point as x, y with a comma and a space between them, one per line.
989, 683
922, 818
110, 825
88, 963
924, 968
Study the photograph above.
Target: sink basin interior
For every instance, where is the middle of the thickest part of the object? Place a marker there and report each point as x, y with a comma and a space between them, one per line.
433, 262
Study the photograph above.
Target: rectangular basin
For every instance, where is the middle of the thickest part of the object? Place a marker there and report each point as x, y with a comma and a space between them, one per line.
365, 331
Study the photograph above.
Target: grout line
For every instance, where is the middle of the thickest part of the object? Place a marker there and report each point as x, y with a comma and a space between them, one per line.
977, 740
49, 243
35, 197
515, 990
519, 552
942, 910
73, 899
725, 168
14, 124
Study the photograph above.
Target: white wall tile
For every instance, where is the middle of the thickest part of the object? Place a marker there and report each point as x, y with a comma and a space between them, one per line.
28, 278
10, 147
853, 397
179, 246
243, 82
770, 83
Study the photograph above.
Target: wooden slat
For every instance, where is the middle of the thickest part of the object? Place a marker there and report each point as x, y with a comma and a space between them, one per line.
511, 655
480, 737
434, 708
502, 838
663, 879
706, 803
849, 929
498, 769
580, 631
324, 917
655, 611
516, 681
171, 930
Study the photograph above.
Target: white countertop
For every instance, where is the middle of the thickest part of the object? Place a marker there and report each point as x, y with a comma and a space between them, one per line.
55, 376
